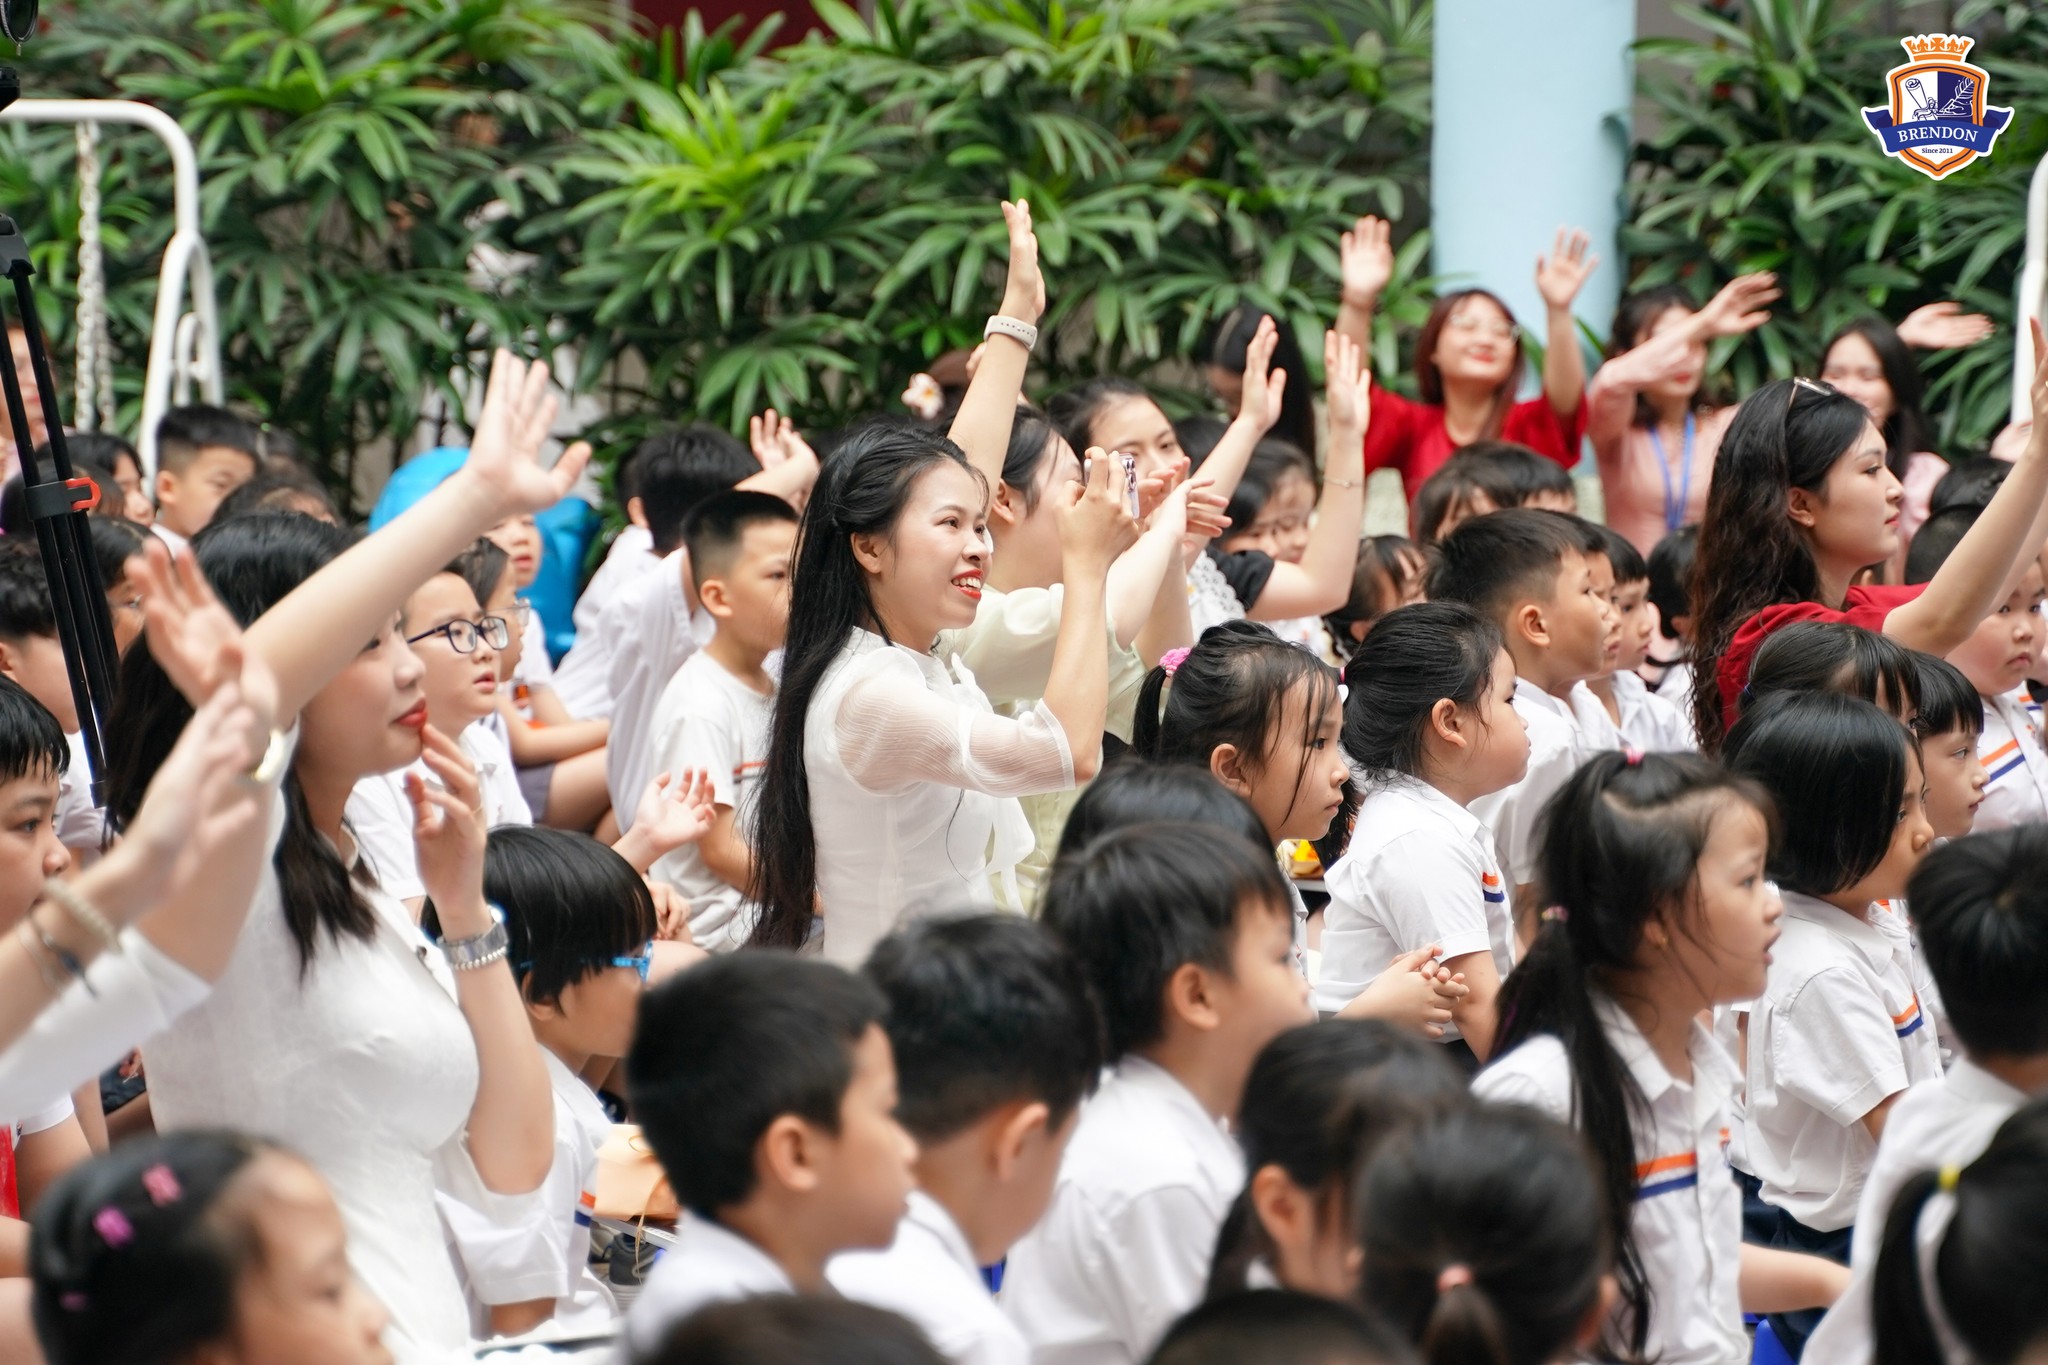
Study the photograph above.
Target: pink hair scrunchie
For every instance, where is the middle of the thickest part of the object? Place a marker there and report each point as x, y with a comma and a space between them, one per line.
1172, 659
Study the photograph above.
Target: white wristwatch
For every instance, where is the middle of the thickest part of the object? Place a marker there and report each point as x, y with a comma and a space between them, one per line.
1014, 328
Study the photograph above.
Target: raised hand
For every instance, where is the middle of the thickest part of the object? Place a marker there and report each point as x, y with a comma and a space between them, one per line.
675, 811
1560, 275
1741, 305
1024, 289
1348, 384
1264, 387
1095, 524
1943, 326
504, 450
764, 434
448, 834
1365, 259
1193, 508
193, 638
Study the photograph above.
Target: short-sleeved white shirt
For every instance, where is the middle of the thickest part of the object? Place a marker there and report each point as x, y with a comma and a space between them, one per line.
708, 1264
1421, 869
928, 1275
1687, 1217
1937, 1123
711, 720
2015, 765
1650, 721
1838, 1029
1125, 1246
1557, 747
81, 825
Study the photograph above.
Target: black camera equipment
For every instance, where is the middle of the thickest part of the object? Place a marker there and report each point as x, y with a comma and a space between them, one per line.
58, 499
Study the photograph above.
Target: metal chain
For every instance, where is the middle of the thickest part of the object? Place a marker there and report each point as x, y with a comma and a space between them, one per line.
95, 410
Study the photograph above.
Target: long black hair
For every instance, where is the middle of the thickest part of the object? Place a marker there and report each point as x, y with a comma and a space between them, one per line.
1485, 1233
1031, 444
1906, 431
134, 1255
1319, 1100
1992, 1261
1621, 844
1751, 555
1232, 688
253, 563
862, 490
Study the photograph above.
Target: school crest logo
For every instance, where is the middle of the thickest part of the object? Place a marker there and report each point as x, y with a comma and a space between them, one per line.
1937, 121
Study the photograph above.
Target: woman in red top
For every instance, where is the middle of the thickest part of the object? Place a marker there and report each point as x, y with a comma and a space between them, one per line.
1468, 362
1802, 501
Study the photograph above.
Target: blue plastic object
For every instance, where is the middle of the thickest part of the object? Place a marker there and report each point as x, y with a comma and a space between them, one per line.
1768, 1349
566, 529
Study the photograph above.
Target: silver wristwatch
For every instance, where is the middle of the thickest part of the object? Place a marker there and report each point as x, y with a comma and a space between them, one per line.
478, 950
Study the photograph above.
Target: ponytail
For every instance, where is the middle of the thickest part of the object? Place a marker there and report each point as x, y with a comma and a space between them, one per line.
1241, 1243
1984, 1293
1484, 1236
1621, 844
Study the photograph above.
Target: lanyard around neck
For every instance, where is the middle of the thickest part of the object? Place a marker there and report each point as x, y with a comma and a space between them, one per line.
1676, 502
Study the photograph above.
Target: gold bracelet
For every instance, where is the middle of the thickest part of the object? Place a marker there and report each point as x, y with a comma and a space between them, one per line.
83, 912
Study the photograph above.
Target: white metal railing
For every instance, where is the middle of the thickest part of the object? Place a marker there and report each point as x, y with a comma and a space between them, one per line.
183, 347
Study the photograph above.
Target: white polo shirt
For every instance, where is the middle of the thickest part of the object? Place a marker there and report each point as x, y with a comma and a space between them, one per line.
1945, 1122
1652, 722
1687, 1217
1125, 1246
2015, 766
1557, 746
928, 1275
707, 1265
1838, 1029
1421, 869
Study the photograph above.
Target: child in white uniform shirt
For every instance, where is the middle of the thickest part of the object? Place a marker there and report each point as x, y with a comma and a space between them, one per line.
1981, 909
1530, 573
1185, 933
715, 713
765, 1085
1840, 1030
1996, 659
1960, 1281
1656, 863
996, 1043
1646, 721
1429, 717
580, 923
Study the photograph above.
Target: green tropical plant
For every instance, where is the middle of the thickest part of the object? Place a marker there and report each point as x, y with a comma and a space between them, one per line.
809, 226
355, 157
1761, 161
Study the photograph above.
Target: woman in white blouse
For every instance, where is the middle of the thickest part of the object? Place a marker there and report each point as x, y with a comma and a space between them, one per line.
890, 782
401, 1069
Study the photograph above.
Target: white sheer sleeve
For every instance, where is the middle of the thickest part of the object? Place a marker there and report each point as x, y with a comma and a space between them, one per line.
894, 730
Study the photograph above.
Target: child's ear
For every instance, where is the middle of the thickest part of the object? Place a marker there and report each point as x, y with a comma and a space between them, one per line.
711, 592
1446, 724
1191, 997
1007, 506
1015, 1131
1529, 622
787, 1156
166, 483
10, 660
1227, 765
636, 512
1802, 505
1289, 1215
1603, 1308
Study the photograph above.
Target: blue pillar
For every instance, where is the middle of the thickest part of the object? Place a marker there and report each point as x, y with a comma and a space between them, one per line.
1531, 130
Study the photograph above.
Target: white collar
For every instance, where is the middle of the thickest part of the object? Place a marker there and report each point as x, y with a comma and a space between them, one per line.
933, 1217
754, 1268
1149, 1075
1972, 1083
1711, 1068
1536, 696
1424, 794
1859, 930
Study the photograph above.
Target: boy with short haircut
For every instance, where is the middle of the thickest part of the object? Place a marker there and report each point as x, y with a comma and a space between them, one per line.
715, 713
1949, 726
997, 1043
202, 454
1997, 658
765, 1085
1645, 720
1188, 943
1670, 596
32, 655
1536, 575
579, 923
1980, 906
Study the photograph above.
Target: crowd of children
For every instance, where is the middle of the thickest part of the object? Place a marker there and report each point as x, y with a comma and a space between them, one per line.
1034, 884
